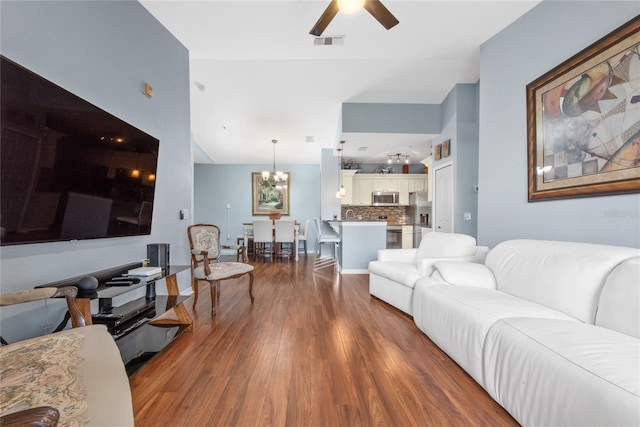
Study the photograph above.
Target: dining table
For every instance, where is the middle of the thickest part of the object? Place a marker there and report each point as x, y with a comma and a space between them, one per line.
247, 228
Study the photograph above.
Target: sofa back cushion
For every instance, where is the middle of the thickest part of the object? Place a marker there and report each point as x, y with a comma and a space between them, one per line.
565, 276
619, 307
444, 245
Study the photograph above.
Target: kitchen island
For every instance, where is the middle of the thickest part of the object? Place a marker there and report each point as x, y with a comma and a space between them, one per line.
360, 243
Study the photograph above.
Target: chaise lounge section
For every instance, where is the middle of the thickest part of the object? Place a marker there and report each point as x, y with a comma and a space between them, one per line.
393, 275
550, 329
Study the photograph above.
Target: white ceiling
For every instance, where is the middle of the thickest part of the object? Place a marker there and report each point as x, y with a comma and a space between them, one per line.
256, 74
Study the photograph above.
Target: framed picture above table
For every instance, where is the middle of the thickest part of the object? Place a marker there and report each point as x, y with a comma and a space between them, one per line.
267, 199
583, 121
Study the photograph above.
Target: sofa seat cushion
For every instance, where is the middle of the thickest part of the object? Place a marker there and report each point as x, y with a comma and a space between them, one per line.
554, 372
77, 371
404, 273
222, 270
457, 318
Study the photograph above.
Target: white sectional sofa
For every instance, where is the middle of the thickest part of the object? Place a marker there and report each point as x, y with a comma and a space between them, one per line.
393, 275
551, 330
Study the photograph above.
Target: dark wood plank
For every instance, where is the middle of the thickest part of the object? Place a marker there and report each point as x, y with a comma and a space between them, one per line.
314, 349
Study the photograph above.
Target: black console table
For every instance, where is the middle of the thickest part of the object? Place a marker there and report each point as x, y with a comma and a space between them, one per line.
143, 326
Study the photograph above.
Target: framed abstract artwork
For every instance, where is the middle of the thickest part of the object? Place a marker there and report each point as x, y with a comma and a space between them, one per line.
583, 121
267, 199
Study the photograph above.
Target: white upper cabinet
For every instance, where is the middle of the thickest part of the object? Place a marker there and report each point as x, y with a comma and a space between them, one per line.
364, 184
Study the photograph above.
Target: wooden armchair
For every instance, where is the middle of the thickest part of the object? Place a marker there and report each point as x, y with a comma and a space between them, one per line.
204, 240
42, 416
38, 294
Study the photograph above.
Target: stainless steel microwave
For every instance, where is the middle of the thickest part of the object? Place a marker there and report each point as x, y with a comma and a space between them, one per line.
385, 198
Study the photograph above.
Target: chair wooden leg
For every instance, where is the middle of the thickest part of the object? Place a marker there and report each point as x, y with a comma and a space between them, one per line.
194, 286
251, 286
214, 294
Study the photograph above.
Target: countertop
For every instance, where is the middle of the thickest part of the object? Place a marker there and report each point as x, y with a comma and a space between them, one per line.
391, 223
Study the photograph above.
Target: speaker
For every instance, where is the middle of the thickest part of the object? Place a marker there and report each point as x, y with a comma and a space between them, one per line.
87, 283
158, 255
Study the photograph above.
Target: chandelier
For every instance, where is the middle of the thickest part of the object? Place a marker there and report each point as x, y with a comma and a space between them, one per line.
341, 190
396, 157
275, 179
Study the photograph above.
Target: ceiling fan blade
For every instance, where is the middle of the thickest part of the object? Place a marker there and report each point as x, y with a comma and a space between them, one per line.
328, 14
381, 13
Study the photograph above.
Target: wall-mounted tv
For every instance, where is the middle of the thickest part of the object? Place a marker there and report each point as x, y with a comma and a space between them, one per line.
68, 169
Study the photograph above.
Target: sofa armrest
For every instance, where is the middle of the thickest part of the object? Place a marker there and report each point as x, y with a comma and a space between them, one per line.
464, 274
397, 255
426, 266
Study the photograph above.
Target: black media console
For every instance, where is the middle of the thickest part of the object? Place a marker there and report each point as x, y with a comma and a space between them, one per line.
133, 322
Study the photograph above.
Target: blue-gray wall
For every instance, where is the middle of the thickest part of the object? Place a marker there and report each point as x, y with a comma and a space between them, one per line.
549, 34
102, 51
460, 126
391, 118
218, 185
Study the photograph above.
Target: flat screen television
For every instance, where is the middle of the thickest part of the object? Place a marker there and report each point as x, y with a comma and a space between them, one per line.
68, 169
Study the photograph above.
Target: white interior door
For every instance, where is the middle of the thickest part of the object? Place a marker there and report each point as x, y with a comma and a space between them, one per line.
443, 199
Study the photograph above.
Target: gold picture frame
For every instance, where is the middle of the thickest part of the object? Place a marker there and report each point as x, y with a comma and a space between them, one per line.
267, 200
437, 151
583, 131
446, 148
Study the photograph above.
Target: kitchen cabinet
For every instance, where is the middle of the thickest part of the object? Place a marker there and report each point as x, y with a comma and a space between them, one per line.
418, 183
407, 236
346, 176
362, 189
364, 184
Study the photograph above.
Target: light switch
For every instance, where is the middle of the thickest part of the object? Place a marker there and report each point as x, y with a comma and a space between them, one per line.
466, 216
184, 214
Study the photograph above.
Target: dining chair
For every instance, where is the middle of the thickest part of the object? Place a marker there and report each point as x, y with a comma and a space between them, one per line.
262, 237
302, 237
204, 240
325, 238
285, 234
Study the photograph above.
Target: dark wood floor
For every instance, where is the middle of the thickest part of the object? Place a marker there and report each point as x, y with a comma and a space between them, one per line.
314, 350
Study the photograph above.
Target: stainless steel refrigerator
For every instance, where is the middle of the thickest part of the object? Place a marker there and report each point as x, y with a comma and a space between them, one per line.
419, 213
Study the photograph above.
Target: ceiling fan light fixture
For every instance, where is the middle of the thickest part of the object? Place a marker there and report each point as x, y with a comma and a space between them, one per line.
350, 6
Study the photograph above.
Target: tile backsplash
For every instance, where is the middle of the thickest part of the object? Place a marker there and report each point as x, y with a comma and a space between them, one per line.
394, 214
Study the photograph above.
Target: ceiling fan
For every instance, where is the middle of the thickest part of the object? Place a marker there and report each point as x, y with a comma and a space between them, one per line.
374, 7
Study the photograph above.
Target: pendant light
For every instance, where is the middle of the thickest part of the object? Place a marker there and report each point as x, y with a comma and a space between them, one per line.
341, 190
275, 178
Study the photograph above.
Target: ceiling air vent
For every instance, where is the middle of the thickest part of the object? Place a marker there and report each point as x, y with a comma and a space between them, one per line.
328, 41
